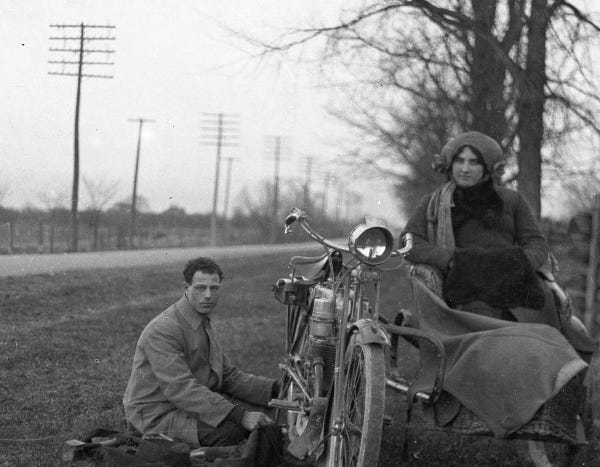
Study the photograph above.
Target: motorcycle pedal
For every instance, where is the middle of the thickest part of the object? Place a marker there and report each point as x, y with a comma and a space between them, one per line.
286, 405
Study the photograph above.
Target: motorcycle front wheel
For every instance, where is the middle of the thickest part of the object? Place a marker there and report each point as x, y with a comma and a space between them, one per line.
355, 442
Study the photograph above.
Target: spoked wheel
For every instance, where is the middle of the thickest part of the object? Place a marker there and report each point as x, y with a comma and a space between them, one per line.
356, 439
546, 454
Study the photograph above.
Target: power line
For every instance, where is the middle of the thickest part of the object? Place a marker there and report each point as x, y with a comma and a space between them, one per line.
273, 147
307, 161
326, 182
141, 122
229, 161
71, 67
218, 131
339, 200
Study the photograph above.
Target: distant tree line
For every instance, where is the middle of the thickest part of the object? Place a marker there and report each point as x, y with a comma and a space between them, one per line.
35, 230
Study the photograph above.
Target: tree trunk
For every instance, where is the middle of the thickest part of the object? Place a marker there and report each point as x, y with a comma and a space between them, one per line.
487, 74
531, 107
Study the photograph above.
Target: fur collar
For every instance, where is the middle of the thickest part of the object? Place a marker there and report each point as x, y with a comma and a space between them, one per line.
477, 202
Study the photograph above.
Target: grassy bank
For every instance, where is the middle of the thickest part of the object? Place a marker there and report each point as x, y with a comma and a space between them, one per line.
67, 341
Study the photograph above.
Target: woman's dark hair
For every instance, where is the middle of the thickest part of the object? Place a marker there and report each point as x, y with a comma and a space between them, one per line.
205, 265
475, 151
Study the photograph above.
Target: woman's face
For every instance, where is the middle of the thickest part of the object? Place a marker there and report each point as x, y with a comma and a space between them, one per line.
466, 169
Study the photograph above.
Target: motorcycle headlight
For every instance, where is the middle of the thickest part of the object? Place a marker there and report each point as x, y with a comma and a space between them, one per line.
371, 244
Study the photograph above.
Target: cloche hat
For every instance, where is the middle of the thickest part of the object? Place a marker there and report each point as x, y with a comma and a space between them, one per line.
490, 150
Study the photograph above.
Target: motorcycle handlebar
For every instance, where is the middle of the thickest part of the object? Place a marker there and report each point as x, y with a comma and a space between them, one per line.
297, 215
407, 240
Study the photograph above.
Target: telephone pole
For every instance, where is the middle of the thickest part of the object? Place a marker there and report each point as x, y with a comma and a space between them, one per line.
71, 57
307, 180
326, 181
273, 145
219, 130
135, 178
229, 161
339, 201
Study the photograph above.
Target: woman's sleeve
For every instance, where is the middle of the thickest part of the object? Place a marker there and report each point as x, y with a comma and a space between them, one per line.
529, 235
423, 250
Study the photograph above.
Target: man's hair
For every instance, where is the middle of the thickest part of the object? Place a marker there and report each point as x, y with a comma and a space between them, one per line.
205, 265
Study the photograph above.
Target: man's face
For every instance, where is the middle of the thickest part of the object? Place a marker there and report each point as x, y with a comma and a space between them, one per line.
203, 292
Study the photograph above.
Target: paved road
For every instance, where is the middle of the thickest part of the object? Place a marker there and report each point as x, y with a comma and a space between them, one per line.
21, 265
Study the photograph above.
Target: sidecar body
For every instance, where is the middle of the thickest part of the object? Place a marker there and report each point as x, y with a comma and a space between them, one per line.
488, 377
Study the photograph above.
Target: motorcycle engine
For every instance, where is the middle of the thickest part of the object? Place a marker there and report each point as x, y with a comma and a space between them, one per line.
322, 340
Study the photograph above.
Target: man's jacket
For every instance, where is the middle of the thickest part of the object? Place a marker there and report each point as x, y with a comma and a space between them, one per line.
180, 374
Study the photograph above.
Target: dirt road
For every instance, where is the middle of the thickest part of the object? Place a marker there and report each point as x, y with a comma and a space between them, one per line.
21, 265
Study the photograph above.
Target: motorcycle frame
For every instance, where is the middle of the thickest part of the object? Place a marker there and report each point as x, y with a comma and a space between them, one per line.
353, 280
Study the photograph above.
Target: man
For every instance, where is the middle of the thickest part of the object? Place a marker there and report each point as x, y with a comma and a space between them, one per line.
181, 383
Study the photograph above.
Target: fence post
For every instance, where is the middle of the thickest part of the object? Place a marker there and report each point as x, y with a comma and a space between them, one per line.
41, 233
592, 283
52, 228
11, 236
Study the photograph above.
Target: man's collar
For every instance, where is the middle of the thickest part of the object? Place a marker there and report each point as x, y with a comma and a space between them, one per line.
194, 319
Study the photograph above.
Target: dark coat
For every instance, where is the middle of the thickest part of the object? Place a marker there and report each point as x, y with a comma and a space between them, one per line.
517, 227
510, 240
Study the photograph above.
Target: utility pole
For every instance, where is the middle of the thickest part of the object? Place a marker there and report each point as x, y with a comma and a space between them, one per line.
339, 199
307, 180
347, 199
219, 130
274, 148
135, 178
358, 206
229, 161
326, 181
74, 44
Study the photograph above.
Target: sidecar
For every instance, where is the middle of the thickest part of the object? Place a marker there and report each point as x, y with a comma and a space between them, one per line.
488, 377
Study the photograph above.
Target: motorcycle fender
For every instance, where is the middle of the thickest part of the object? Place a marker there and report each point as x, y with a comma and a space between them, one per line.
369, 332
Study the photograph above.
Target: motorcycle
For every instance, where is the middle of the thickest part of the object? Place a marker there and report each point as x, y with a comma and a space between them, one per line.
333, 388
339, 346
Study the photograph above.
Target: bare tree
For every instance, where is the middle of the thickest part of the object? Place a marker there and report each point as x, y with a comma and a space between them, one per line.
258, 204
581, 191
401, 144
514, 69
53, 201
4, 190
100, 193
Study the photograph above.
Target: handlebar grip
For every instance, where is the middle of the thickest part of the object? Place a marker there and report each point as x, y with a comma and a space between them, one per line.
407, 241
290, 219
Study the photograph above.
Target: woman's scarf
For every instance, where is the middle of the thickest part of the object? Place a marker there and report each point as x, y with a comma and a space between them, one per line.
439, 216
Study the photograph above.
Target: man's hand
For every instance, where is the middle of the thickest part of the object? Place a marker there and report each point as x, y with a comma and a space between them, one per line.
253, 420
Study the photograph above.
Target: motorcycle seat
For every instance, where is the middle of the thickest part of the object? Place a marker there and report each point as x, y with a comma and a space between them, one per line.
309, 268
295, 260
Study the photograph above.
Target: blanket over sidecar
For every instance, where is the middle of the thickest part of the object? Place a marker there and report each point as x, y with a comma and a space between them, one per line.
502, 371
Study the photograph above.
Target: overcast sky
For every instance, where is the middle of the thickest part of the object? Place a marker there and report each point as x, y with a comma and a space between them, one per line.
173, 61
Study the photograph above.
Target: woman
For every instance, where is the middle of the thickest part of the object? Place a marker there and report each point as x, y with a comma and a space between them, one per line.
483, 238
488, 246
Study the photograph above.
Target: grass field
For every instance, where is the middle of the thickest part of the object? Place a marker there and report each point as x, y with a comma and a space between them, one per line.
67, 341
